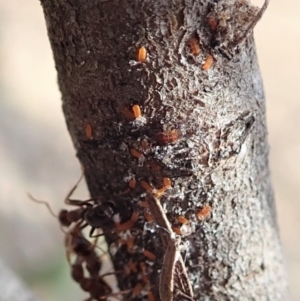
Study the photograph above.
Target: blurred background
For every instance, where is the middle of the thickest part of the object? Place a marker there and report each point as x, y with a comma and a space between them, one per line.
37, 156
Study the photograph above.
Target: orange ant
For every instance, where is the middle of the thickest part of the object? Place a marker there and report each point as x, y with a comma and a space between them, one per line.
208, 62
136, 111
195, 47
167, 137
167, 184
89, 131
142, 54
204, 212
212, 23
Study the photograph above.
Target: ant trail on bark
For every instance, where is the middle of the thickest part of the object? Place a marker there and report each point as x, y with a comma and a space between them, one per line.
252, 24
172, 257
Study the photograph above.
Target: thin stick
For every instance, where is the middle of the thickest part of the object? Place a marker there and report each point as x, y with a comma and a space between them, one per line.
169, 242
166, 282
252, 24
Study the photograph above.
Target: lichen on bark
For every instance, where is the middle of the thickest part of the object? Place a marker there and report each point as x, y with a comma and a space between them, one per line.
212, 146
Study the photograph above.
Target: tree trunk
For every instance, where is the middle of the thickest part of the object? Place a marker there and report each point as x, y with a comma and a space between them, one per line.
191, 70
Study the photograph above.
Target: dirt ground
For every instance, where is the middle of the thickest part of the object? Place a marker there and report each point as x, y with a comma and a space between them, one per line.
36, 153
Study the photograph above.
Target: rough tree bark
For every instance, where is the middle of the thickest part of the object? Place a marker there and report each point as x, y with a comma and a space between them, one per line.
202, 126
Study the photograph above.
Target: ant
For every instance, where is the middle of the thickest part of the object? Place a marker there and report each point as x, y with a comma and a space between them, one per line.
94, 214
97, 216
87, 258
85, 253
85, 270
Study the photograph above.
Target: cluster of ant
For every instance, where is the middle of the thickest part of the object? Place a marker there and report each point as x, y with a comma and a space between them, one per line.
87, 264
82, 255
86, 256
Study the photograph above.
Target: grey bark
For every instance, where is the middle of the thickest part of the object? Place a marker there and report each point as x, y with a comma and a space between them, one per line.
221, 156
